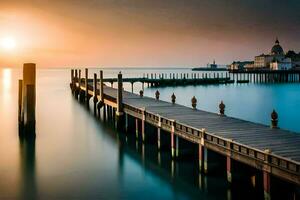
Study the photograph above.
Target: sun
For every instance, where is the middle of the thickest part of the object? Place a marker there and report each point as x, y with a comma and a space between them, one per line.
8, 43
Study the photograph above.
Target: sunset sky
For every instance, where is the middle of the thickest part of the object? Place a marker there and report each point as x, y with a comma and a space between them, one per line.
170, 33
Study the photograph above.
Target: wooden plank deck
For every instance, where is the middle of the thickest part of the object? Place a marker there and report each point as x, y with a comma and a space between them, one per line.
274, 151
251, 134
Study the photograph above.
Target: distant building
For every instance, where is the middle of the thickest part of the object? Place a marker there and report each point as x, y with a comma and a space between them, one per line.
240, 65
283, 64
277, 55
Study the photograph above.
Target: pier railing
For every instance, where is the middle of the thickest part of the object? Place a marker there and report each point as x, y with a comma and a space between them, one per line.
269, 149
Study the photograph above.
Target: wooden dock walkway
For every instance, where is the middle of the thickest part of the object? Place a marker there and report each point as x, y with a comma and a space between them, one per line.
273, 151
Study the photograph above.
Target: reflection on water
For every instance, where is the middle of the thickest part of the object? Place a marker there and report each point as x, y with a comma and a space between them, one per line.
6, 80
27, 168
76, 156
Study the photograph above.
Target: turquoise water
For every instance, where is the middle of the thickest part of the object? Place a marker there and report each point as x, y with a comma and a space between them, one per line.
76, 156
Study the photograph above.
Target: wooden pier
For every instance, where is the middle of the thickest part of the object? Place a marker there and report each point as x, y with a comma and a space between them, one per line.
265, 76
174, 79
268, 149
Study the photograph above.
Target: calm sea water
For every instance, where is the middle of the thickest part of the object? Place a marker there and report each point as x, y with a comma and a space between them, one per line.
76, 156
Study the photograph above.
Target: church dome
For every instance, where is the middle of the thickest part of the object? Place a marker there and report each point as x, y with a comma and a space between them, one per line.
277, 49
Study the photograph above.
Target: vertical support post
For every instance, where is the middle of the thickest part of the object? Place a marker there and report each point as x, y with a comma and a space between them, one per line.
177, 146
228, 166
95, 98
172, 140
28, 97
76, 76
126, 121
136, 128
143, 126
266, 179
101, 86
72, 80
86, 86
200, 155
158, 133
228, 161
205, 159
132, 87
29, 117
119, 112
20, 118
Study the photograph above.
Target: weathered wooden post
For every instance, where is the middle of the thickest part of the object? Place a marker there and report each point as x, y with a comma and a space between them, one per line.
143, 124
266, 184
100, 103
20, 96
201, 150
28, 98
119, 113
194, 102
76, 76
228, 161
176, 146
136, 128
77, 88
274, 119
222, 108
157, 95
86, 86
172, 139
72, 80
95, 97
173, 98
158, 132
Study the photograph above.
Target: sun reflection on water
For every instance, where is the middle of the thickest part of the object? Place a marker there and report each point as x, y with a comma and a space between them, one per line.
6, 80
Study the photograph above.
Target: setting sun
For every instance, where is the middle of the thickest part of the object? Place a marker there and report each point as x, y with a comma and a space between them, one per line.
8, 43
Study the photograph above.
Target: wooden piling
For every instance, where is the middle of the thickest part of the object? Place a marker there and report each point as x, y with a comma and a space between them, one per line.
86, 85
119, 111
28, 97
101, 87
20, 96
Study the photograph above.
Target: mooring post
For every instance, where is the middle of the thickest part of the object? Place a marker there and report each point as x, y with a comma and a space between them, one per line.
86, 86
72, 80
194, 102
274, 119
222, 108
157, 95
20, 96
29, 118
28, 97
119, 112
173, 98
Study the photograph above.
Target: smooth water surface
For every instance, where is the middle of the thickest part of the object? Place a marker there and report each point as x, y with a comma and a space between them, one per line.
76, 156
